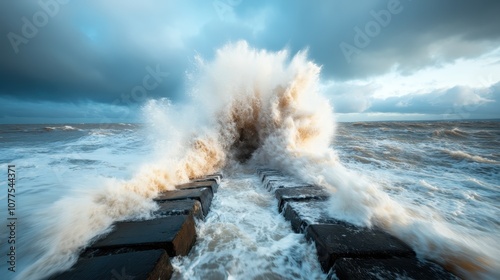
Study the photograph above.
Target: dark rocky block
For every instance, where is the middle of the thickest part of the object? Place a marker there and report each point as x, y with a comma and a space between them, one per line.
153, 264
299, 224
334, 241
261, 170
301, 214
175, 234
180, 207
207, 178
273, 184
215, 179
266, 177
300, 194
394, 268
264, 174
212, 184
203, 195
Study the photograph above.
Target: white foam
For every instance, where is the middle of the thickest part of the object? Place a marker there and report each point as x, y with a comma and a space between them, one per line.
244, 237
64, 127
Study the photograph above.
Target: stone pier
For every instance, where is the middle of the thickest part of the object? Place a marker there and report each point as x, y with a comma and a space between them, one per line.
345, 251
142, 249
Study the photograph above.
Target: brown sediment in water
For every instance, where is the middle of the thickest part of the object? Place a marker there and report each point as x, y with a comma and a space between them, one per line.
466, 267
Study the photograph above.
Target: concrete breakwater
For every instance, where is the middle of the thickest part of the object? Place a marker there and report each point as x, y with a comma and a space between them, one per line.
142, 249
345, 251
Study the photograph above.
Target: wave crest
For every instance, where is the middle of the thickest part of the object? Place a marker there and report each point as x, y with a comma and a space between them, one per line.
63, 128
461, 155
454, 133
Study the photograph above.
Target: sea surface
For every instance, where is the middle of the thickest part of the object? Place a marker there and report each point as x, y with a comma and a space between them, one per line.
450, 170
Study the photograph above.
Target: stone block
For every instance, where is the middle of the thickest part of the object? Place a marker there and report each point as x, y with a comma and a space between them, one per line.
273, 184
334, 241
215, 179
304, 213
300, 194
150, 265
216, 174
394, 268
179, 207
261, 170
203, 195
174, 234
211, 184
267, 174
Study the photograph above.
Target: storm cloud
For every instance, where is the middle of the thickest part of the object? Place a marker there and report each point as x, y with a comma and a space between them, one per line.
114, 54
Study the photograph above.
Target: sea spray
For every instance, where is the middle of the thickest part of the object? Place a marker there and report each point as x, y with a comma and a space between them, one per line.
259, 108
282, 121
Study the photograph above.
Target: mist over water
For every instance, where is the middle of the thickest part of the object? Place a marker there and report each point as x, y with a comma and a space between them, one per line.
257, 108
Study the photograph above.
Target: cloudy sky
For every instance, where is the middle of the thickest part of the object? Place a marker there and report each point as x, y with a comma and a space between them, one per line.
95, 61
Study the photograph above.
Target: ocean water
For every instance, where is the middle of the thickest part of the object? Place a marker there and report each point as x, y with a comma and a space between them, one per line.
435, 185
54, 162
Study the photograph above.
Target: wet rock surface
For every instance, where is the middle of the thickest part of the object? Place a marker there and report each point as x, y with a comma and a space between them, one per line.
394, 268
179, 207
203, 195
175, 234
334, 241
153, 264
212, 184
300, 194
142, 249
345, 250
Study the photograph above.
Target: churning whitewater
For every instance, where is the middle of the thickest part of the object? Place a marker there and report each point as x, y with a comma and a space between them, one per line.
256, 108
244, 237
